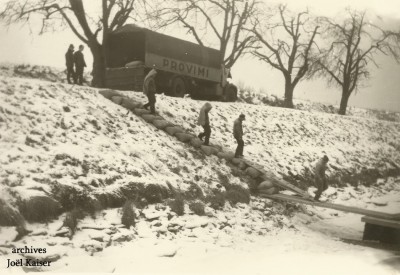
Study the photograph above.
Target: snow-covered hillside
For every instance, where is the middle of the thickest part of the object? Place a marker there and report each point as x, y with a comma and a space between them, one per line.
63, 146
289, 142
72, 144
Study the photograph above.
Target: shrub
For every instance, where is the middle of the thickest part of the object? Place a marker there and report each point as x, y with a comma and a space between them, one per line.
9, 216
71, 219
40, 208
216, 201
197, 207
111, 199
194, 192
177, 205
70, 198
224, 180
128, 214
154, 193
236, 194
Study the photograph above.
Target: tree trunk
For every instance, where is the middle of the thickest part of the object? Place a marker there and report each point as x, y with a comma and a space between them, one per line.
344, 101
289, 94
99, 66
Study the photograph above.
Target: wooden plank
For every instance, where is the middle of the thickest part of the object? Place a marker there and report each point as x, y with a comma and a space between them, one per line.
279, 182
293, 188
381, 222
339, 207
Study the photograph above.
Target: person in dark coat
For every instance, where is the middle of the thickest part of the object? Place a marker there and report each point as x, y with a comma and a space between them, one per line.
80, 64
238, 135
149, 89
204, 121
69, 62
320, 179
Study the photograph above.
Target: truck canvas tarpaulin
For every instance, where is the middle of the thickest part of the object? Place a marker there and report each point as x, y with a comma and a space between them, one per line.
131, 43
183, 67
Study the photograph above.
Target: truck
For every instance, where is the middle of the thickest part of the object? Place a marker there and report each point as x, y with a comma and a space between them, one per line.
182, 67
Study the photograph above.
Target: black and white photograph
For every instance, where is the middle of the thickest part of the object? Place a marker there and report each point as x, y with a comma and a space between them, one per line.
200, 137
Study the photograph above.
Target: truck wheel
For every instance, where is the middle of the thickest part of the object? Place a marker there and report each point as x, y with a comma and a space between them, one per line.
178, 87
230, 94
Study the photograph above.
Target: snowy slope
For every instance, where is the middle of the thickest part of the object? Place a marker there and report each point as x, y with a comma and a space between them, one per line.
54, 136
289, 142
57, 137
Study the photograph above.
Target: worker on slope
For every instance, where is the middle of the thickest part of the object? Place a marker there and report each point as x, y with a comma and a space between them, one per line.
149, 89
238, 135
320, 179
69, 62
80, 65
204, 121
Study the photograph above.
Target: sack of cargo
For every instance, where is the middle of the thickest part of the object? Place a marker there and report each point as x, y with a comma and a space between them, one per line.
134, 64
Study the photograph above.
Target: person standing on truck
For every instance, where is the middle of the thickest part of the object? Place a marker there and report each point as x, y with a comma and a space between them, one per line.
69, 62
320, 179
80, 64
204, 121
149, 89
238, 135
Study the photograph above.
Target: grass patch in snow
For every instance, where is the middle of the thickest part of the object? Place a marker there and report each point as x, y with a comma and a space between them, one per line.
40, 208
236, 194
197, 207
128, 217
177, 205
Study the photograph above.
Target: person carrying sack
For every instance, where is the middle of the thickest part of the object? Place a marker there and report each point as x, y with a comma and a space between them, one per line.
238, 135
320, 179
204, 121
149, 89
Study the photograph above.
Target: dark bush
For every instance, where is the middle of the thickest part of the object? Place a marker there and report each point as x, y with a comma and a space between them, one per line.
194, 192
237, 193
72, 218
197, 207
217, 200
128, 214
112, 199
177, 205
9, 216
155, 193
224, 180
40, 208
71, 198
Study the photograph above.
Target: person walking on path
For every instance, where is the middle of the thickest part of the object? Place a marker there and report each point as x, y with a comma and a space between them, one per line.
69, 62
149, 89
320, 179
80, 65
204, 121
238, 135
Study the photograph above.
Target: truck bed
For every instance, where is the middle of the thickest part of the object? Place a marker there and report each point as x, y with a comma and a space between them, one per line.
125, 78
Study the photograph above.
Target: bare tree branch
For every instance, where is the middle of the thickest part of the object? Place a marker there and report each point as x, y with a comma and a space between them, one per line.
290, 54
354, 44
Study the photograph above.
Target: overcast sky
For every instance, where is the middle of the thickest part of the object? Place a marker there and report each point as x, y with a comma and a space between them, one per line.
382, 91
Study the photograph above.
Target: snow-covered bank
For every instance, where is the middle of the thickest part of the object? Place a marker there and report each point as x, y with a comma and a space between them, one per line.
262, 237
70, 146
289, 142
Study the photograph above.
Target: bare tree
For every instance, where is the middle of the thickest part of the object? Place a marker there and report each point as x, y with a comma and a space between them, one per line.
93, 32
224, 19
286, 45
354, 45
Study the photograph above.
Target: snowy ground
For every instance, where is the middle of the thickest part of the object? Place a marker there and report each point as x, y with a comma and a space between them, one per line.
244, 239
289, 142
57, 135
